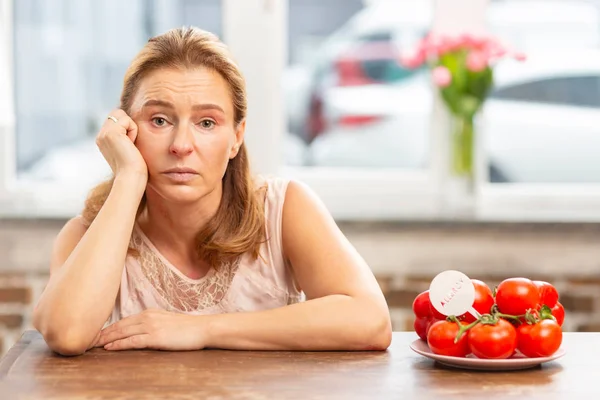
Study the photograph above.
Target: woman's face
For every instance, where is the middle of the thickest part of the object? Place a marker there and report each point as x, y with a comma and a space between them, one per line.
186, 131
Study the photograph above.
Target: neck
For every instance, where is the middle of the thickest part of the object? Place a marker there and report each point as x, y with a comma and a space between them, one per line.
176, 225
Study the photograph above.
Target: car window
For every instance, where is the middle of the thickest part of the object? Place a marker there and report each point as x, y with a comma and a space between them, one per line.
375, 37
581, 91
388, 69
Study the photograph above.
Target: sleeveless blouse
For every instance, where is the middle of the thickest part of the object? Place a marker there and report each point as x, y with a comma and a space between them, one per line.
149, 280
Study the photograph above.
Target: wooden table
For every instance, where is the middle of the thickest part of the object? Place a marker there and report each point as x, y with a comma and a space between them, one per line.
31, 371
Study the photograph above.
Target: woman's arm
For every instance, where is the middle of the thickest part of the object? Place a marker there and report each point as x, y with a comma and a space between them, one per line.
86, 270
345, 308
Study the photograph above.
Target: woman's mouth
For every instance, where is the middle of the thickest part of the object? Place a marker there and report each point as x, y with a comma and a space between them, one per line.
180, 174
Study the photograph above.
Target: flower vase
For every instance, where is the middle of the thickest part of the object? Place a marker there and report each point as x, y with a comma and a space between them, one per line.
461, 181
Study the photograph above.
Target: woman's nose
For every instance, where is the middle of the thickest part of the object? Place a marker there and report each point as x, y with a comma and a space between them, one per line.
182, 142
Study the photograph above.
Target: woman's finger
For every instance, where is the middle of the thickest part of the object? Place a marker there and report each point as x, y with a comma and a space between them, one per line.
121, 118
120, 333
125, 322
132, 342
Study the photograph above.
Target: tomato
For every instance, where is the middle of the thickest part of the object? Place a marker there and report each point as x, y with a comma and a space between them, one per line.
558, 311
421, 326
548, 293
422, 305
539, 340
435, 313
484, 300
441, 339
514, 296
493, 341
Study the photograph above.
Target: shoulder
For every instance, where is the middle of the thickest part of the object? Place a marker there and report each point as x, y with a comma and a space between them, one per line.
286, 194
289, 194
291, 207
271, 185
304, 219
303, 207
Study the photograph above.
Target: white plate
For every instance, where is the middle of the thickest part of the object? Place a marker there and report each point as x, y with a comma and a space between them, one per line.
516, 362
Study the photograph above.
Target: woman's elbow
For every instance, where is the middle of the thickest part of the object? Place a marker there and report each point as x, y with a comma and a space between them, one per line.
377, 334
381, 337
66, 342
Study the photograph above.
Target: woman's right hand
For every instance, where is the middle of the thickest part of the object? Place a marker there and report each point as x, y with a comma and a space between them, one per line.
116, 143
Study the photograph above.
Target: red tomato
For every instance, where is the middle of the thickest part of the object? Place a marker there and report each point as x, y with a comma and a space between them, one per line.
484, 300
421, 305
539, 340
515, 296
548, 293
421, 326
493, 341
559, 313
435, 313
441, 339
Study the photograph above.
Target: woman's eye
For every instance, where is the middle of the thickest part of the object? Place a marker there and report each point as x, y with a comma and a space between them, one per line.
158, 121
207, 123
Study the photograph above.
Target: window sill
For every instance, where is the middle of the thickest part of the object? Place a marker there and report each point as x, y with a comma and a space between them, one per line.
362, 196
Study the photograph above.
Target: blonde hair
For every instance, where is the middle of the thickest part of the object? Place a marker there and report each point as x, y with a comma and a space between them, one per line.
239, 223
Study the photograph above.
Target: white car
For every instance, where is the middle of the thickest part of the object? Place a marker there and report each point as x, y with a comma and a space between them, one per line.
540, 124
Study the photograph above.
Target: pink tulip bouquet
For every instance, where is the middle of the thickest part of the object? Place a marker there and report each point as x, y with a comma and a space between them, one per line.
462, 68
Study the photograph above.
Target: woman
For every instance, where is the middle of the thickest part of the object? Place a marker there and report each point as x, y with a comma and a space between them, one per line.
183, 249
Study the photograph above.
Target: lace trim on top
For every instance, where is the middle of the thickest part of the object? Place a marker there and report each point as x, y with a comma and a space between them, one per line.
180, 292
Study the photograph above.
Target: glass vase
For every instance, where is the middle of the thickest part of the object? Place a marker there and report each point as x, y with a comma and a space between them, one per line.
460, 190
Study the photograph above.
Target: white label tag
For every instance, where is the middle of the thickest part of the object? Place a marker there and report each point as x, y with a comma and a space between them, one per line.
452, 293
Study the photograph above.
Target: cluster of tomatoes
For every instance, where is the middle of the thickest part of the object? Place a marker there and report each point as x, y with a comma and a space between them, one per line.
520, 315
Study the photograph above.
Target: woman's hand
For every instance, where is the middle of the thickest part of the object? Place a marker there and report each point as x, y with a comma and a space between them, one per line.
155, 329
116, 142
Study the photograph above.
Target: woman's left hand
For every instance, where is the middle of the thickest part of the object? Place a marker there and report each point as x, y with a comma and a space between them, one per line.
154, 329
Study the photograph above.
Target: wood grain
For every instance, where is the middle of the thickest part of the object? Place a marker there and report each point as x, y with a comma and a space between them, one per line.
31, 371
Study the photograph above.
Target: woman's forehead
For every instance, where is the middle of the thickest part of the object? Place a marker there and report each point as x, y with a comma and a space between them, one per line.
185, 88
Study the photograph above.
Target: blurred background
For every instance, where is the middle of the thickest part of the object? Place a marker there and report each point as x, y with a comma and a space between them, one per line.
368, 134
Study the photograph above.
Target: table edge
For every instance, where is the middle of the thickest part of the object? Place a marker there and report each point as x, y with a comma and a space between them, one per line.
16, 351
29, 336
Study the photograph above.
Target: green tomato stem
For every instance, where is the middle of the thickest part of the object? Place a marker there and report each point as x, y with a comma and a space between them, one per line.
461, 328
546, 313
515, 317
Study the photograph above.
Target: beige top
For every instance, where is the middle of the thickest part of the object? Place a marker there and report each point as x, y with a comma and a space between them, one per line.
150, 281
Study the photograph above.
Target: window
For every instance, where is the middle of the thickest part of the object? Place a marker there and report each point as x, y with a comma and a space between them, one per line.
358, 123
540, 125
356, 106
63, 96
67, 77
574, 91
545, 131
369, 136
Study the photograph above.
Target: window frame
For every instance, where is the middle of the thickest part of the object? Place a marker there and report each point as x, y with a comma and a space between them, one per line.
7, 114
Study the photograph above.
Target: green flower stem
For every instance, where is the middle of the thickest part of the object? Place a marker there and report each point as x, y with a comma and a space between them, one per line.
462, 155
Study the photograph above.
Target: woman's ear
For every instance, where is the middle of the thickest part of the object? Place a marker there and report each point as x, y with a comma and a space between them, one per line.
240, 130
